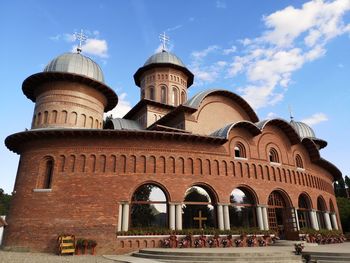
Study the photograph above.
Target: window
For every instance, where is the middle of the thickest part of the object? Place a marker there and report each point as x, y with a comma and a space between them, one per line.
240, 151
149, 207
163, 94
321, 209
299, 161
183, 97
273, 156
242, 209
151, 93
304, 211
45, 177
175, 96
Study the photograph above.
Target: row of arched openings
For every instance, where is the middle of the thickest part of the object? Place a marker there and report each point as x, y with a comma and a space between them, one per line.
175, 97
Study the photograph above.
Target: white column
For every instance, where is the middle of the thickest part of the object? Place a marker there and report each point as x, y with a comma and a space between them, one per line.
315, 220
327, 220
120, 214
125, 225
226, 217
296, 218
172, 217
334, 221
260, 218
265, 218
178, 217
220, 217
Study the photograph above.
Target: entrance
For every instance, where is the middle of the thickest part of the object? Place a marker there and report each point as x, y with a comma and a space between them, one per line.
281, 217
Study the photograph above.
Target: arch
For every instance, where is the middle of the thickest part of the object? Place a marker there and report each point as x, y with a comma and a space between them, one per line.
175, 96
331, 206
273, 155
183, 97
133, 164
63, 163
199, 166
163, 94
304, 208
83, 163
162, 165
189, 166
44, 180
149, 206
207, 167
240, 151
92, 163
321, 210
83, 120
46, 117
152, 164
181, 166
103, 163
74, 118
299, 161
151, 93
64, 116
54, 116
143, 164
171, 165
91, 122
216, 167
71, 163
113, 166
225, 131
242, 210
39, 118
224, 168
199, 207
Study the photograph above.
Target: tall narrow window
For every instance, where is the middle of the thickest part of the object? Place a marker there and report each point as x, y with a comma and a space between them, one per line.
175, 96
151, 93
240, 151
183, 97
273, 156
46, 177
163, 94
299, 161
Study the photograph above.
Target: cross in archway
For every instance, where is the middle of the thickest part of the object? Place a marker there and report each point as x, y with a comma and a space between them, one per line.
200, 219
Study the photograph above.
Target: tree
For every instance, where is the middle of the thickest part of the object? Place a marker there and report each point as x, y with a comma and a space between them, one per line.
347, 181
344, 211
339, 188
5, 200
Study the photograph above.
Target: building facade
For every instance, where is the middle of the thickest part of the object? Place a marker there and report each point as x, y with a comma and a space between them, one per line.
172, 161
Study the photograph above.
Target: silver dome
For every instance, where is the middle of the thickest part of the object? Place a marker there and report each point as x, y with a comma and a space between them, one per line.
77, 64
304, 130
164, 57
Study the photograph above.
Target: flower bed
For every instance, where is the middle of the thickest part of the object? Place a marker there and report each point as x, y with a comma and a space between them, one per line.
321, 236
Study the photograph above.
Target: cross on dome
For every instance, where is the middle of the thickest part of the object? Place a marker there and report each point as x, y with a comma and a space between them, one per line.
164, 39
82, 38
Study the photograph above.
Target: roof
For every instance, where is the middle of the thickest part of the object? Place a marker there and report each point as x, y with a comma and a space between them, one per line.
196, 100
75, 63
123, 124
305, 131
163, 59
224, 131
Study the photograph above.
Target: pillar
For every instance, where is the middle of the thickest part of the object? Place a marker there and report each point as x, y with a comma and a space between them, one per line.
172, 216
125, 225
334, 221
226, 217
296, 218
178, 210
220, 217
314, 221
327, 220
265, 218
120, 214
260, 218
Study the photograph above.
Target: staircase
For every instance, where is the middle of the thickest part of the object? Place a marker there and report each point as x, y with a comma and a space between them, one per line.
326, 257
217, 255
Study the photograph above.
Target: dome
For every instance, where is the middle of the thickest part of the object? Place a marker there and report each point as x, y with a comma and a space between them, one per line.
164, 57
75, 63
304, 130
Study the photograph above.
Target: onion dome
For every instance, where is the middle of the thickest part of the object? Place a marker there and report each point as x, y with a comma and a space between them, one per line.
305, 131
163, 59
75, 63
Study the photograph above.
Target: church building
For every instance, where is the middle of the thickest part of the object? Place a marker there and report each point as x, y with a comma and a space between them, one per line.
171, 162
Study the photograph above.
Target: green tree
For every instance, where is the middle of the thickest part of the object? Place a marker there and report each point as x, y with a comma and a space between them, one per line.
344, 211
347, 181
340, 190
5, 200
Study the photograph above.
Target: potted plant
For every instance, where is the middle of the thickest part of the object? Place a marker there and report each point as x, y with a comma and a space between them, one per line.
79, 246
92, 245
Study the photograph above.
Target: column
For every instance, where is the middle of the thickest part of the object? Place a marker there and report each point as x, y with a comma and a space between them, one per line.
265, 218
314, 221
260, 218
125, 225
178, 216
226, 217
172, 216
334, 221
220, 217
296, 218
120, 214
327, 220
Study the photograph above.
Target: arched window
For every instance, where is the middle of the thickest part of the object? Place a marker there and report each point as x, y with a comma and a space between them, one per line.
149, 207
198, 211
304, 211
45, 179
183, 97
175, 96
242, 209
151, 93
142, 93
163, 94
299, 161
321, 209
273, 156
240, 150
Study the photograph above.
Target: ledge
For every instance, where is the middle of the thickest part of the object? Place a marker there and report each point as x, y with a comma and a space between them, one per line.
38, 190
241, 158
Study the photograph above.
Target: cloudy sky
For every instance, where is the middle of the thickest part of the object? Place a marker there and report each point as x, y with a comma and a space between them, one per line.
276, 54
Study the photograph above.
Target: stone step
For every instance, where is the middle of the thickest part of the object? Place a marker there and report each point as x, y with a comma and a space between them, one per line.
183, 257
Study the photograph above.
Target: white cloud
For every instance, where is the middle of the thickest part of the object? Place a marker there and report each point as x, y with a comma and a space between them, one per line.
121, 109
96, 47
271, 115
55, 38
198, 55
229, 50
315, 119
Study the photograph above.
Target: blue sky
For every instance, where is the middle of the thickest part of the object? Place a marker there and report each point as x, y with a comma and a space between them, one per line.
273, 53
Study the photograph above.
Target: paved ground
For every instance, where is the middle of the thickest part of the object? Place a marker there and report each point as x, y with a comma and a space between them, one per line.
24, 257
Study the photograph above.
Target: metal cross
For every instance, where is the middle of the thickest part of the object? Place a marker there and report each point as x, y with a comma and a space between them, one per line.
81, 37
290, 113
199, 218
164, 39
